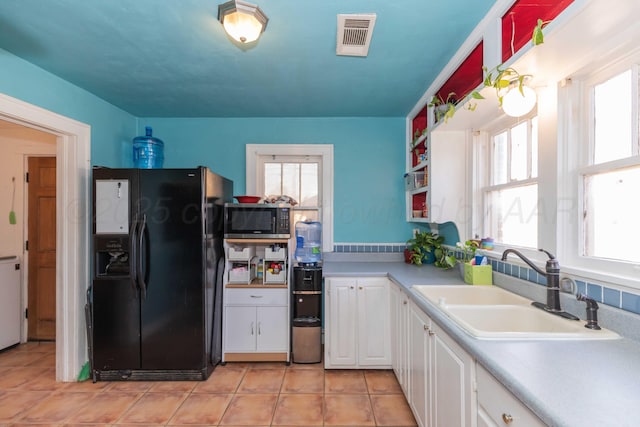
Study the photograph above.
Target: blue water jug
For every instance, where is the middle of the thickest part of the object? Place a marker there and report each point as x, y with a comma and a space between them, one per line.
148, 151
308, 242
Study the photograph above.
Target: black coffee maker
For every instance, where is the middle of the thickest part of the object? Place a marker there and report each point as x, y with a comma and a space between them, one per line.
306, 336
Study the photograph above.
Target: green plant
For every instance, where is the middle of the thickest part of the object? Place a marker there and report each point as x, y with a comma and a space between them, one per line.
500, 78
444, 258
444, 108
424, 243
468, 249
537, 37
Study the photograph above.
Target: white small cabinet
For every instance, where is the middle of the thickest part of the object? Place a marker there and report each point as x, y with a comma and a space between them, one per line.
441, 375
399, 316
256, 329
357, 323
498, 407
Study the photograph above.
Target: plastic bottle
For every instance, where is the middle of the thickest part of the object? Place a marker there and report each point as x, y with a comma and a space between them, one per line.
308, 242
148, 151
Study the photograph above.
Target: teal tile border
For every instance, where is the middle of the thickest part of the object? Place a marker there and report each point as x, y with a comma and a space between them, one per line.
369, 247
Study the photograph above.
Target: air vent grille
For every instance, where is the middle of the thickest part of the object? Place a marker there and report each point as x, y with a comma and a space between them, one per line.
354, 34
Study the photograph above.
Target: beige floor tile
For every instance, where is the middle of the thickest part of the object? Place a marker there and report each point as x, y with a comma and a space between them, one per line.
348, 410
250, 410
13, 378
56, 408
223, 379
89, 386
132, 386
47, 360
382, 382
13, 404
153, 408
16, 359
104, 408
262, 381
303, 381
392, 410
267, 365
299, 409
346, 381
44, 379
172, 386
202, 409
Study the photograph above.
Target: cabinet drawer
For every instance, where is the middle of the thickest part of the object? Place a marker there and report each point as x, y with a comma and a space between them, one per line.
502, 407
256, 296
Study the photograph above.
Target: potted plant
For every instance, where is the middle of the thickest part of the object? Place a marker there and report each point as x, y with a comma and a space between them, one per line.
426, 248
444, 108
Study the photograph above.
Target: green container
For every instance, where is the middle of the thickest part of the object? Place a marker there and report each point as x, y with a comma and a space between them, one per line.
478, 274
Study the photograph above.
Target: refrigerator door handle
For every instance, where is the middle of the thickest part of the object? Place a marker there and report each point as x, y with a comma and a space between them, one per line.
133, 268
140, 272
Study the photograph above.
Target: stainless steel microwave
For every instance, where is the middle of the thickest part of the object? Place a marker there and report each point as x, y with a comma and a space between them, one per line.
259, 221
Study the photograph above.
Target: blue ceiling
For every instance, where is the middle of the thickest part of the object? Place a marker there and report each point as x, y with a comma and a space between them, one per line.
172, 58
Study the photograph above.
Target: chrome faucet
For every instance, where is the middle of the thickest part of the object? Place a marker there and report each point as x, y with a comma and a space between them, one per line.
552, 274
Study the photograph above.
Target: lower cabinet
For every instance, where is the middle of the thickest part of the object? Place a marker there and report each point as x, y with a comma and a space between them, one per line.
441, 375
399, 317
498, 407
357, 323
256, 325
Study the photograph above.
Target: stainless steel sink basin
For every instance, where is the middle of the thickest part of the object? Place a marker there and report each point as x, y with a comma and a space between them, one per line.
490, 312
469, 295
521, 322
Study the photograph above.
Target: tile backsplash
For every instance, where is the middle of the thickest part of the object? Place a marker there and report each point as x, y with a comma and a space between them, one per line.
612, 297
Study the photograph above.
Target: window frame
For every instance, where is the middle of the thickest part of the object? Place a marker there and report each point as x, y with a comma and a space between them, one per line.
576, 153
485, 186
324, 151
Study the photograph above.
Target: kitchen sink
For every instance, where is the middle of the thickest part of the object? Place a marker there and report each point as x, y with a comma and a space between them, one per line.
490, 312
521, 322
469, 295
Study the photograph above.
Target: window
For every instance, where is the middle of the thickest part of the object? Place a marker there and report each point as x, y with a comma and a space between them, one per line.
302, 171
511, 196
610, 174
295, 176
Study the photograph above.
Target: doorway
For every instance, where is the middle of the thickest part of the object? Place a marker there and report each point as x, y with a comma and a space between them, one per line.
73, 143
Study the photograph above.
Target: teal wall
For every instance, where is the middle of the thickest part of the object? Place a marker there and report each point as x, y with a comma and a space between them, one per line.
368, 162
111, 127
368, 152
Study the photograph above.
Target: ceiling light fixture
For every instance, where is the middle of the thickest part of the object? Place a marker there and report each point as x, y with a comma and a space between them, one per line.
519, 99
243, 21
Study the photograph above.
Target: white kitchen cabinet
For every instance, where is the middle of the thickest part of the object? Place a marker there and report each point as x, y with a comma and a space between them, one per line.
441, 375
419, 368
357, 323
453, 375
498, 407
399, 315
256, 325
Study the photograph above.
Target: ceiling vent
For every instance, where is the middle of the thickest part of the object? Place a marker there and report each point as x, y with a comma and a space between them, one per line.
354, 34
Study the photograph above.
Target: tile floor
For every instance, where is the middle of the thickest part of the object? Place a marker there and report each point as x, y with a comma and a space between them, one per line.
237, 394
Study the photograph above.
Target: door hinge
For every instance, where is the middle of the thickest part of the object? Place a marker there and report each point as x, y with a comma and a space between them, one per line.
26, 177
17, 266
26, 313
26, 245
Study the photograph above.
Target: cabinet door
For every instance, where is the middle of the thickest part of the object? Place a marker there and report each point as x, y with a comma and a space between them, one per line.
374, 340
419, 395
403, 341
272, 329
341, 322
394, 316
453, 372
239, 329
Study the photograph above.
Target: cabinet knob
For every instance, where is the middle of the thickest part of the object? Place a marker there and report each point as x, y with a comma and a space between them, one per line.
507, 418
404, 302
431, 333
425, 327
360, 288
352, 287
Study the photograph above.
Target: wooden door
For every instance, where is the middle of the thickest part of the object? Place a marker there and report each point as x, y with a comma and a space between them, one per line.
42, 248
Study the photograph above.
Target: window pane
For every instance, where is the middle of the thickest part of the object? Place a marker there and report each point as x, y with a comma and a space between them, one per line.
291, 180
272, 179
303, 215
519, 168
613, 119
500, 158
514, 215
612, 215
309, 185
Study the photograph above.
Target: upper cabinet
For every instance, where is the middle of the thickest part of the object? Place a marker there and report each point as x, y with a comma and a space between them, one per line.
438, 145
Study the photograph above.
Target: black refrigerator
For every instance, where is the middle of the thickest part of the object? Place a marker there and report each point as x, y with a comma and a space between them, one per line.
156, 296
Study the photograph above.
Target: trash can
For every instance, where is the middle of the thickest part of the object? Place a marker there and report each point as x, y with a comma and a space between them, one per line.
306, 340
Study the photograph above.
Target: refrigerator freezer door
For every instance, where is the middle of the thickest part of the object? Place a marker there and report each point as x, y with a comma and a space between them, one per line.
116, 325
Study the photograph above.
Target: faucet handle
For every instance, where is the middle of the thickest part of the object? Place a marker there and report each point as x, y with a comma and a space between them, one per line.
549, 254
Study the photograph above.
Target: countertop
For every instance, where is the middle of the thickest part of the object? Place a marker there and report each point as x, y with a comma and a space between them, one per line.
565, 383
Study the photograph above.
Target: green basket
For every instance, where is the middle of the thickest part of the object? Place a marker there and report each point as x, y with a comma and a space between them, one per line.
478, 274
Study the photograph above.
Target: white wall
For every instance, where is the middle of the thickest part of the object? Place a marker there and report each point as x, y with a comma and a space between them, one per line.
16, 144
